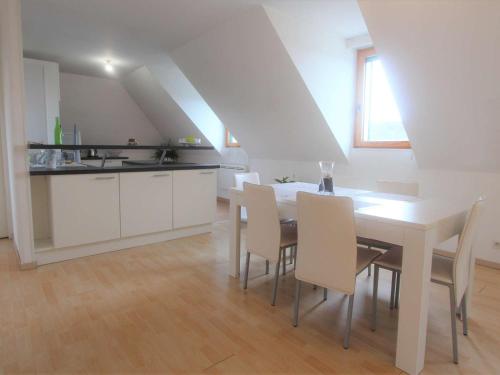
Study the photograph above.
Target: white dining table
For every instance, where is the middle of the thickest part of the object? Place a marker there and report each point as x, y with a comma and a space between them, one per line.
414, 223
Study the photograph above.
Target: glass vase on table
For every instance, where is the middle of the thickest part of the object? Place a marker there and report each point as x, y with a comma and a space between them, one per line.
326, 182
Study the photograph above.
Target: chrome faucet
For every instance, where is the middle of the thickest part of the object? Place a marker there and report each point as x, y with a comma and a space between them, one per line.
162, 158
103, 161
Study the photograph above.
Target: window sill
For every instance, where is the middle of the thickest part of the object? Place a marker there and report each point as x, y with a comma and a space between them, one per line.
386, 145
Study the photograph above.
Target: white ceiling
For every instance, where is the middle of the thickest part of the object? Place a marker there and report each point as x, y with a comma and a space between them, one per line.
82, 34
341, 17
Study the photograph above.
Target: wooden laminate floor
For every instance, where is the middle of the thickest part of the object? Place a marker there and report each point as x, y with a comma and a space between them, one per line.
172, 308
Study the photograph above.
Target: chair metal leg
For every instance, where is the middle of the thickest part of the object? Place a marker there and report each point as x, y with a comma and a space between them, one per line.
245, 282
290, 261
393, 287
375, 298
465, 325
347, 334
369, 266
267, 267
396, 296
284, 260
325, 294
453, 309
276, 277
298, 285
295, 257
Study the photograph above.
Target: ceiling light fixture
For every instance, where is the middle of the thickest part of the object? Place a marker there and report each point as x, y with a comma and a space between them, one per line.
108, 67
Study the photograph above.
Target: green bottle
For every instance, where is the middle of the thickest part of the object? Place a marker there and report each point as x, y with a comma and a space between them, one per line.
58, 134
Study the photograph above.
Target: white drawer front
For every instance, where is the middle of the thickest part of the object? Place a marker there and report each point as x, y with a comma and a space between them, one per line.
195, 197
145, 202
85, 208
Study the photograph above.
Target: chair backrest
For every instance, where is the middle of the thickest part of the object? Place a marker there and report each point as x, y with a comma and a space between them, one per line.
462, 261
326, 248
240, 178
397, 187
263, 223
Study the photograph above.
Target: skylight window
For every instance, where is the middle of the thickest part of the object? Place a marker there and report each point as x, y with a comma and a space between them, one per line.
378, 122
230, 140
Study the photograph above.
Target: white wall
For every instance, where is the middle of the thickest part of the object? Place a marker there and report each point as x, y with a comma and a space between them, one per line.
12, 129
105, 113
228, 155
364, 168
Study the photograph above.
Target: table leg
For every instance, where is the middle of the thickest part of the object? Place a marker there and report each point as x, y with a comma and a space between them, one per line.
234, 237
414, 302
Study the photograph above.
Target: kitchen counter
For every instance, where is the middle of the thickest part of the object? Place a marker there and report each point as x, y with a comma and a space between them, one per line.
43, 171
80, 211
107, 157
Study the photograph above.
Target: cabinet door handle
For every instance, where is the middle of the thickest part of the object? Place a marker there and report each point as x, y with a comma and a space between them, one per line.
161, 175
207, 172
105, 178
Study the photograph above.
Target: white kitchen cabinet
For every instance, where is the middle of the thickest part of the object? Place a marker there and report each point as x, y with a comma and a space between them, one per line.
84, 208
42, 92
145, 202
194, 197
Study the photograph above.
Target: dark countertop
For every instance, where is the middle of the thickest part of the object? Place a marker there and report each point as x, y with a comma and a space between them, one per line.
107, 157
37, 146
41, 171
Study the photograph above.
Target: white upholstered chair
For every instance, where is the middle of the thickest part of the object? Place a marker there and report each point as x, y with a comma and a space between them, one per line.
327, 254
451, 272
239, 180
266, 236
254, 178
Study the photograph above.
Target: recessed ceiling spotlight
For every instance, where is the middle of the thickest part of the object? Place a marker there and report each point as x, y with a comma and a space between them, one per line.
108, 67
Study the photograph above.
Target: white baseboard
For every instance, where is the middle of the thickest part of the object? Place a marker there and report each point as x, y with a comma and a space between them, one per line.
61, 254
479, 261
488, 263
27, 266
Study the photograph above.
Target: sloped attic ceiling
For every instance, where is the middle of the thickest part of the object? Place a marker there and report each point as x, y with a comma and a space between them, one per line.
245, 74
323, 60
178, 87
163, 112
442, 62
172, 104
